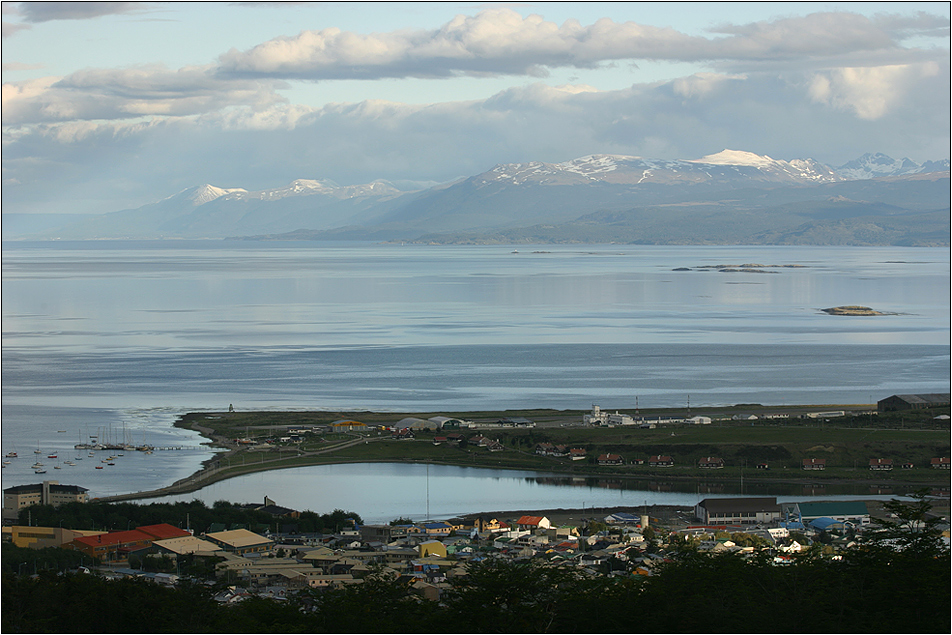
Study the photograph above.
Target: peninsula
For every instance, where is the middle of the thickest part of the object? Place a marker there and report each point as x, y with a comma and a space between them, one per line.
840, 443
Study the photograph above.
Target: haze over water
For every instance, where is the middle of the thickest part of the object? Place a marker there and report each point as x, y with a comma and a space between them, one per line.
130, 334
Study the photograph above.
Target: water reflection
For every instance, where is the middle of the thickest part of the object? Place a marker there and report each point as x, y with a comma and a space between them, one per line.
728, 488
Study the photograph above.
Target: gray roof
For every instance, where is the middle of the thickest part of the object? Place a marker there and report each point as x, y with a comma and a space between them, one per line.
927, 398
719, 505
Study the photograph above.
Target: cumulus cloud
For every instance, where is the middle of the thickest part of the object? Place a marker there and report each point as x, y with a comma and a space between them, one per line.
869, 92
132, 92
492, 42
501, 41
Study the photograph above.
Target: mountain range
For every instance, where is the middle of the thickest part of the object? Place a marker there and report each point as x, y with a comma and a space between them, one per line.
732, 197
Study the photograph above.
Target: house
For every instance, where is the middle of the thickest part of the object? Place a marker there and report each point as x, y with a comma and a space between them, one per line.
737, 511
440, 528
763, 466
270, 507
660, 461
610, 459
913, 402
908, 465
483, 524
495, 446
577, 454
711, 463
699, 420
880, 465
240, 541
432, 548
814, 464
346, 425
531, 523
941, 463
184, 545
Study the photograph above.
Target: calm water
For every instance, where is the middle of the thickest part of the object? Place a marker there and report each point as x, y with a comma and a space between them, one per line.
381, 492
123, 336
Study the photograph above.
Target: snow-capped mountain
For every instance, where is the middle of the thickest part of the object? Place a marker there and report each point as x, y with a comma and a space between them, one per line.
300, 187
630, 170
717, 198
871, 166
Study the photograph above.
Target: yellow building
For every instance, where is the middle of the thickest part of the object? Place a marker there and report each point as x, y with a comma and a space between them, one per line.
42, 537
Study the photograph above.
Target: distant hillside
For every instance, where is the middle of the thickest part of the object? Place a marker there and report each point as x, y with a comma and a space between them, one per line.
726, 198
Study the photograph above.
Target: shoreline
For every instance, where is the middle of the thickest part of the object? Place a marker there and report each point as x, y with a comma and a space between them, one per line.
210, 472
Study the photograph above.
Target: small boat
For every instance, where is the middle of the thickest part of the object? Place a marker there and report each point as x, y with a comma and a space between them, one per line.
39, 471
57, 467
51, 456
36, 465
11, 455
110, 464
99, 467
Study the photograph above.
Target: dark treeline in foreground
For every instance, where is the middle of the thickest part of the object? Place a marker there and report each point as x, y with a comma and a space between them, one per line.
898, 581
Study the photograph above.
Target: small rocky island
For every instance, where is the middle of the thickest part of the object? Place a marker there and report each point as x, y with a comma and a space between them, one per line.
852, 310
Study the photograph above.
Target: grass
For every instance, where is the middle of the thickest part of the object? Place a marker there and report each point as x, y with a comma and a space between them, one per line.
847, 443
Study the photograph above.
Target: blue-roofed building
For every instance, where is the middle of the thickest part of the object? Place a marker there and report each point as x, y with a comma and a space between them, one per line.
623, 518
827, 524
854, 512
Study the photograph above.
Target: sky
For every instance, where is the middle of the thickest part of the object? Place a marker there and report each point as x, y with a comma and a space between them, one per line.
113, 105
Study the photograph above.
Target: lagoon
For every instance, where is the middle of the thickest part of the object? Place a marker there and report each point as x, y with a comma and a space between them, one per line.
381, 492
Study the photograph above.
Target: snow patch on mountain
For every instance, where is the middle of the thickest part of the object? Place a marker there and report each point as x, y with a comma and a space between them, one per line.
736, 157
874, 165
206, 193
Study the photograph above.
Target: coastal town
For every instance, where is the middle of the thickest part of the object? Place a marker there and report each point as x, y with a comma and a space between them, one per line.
238, 555
275, 559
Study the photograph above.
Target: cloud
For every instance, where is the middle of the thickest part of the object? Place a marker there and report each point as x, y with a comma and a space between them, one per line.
18, 66
151, 90
502, 42
869, 92
47, 11
492, 42
104, 166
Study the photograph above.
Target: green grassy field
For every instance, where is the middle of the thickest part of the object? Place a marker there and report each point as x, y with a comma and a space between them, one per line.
846, 443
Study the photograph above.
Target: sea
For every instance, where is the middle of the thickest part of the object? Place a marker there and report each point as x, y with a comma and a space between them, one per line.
116, 339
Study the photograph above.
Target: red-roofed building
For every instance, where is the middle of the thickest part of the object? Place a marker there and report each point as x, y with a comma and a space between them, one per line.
163, 531
880, 465
117, 545
531, 523
610, 459
941, 463
661, 460
814, 464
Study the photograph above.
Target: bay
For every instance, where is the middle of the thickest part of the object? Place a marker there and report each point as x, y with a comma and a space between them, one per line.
128, 335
